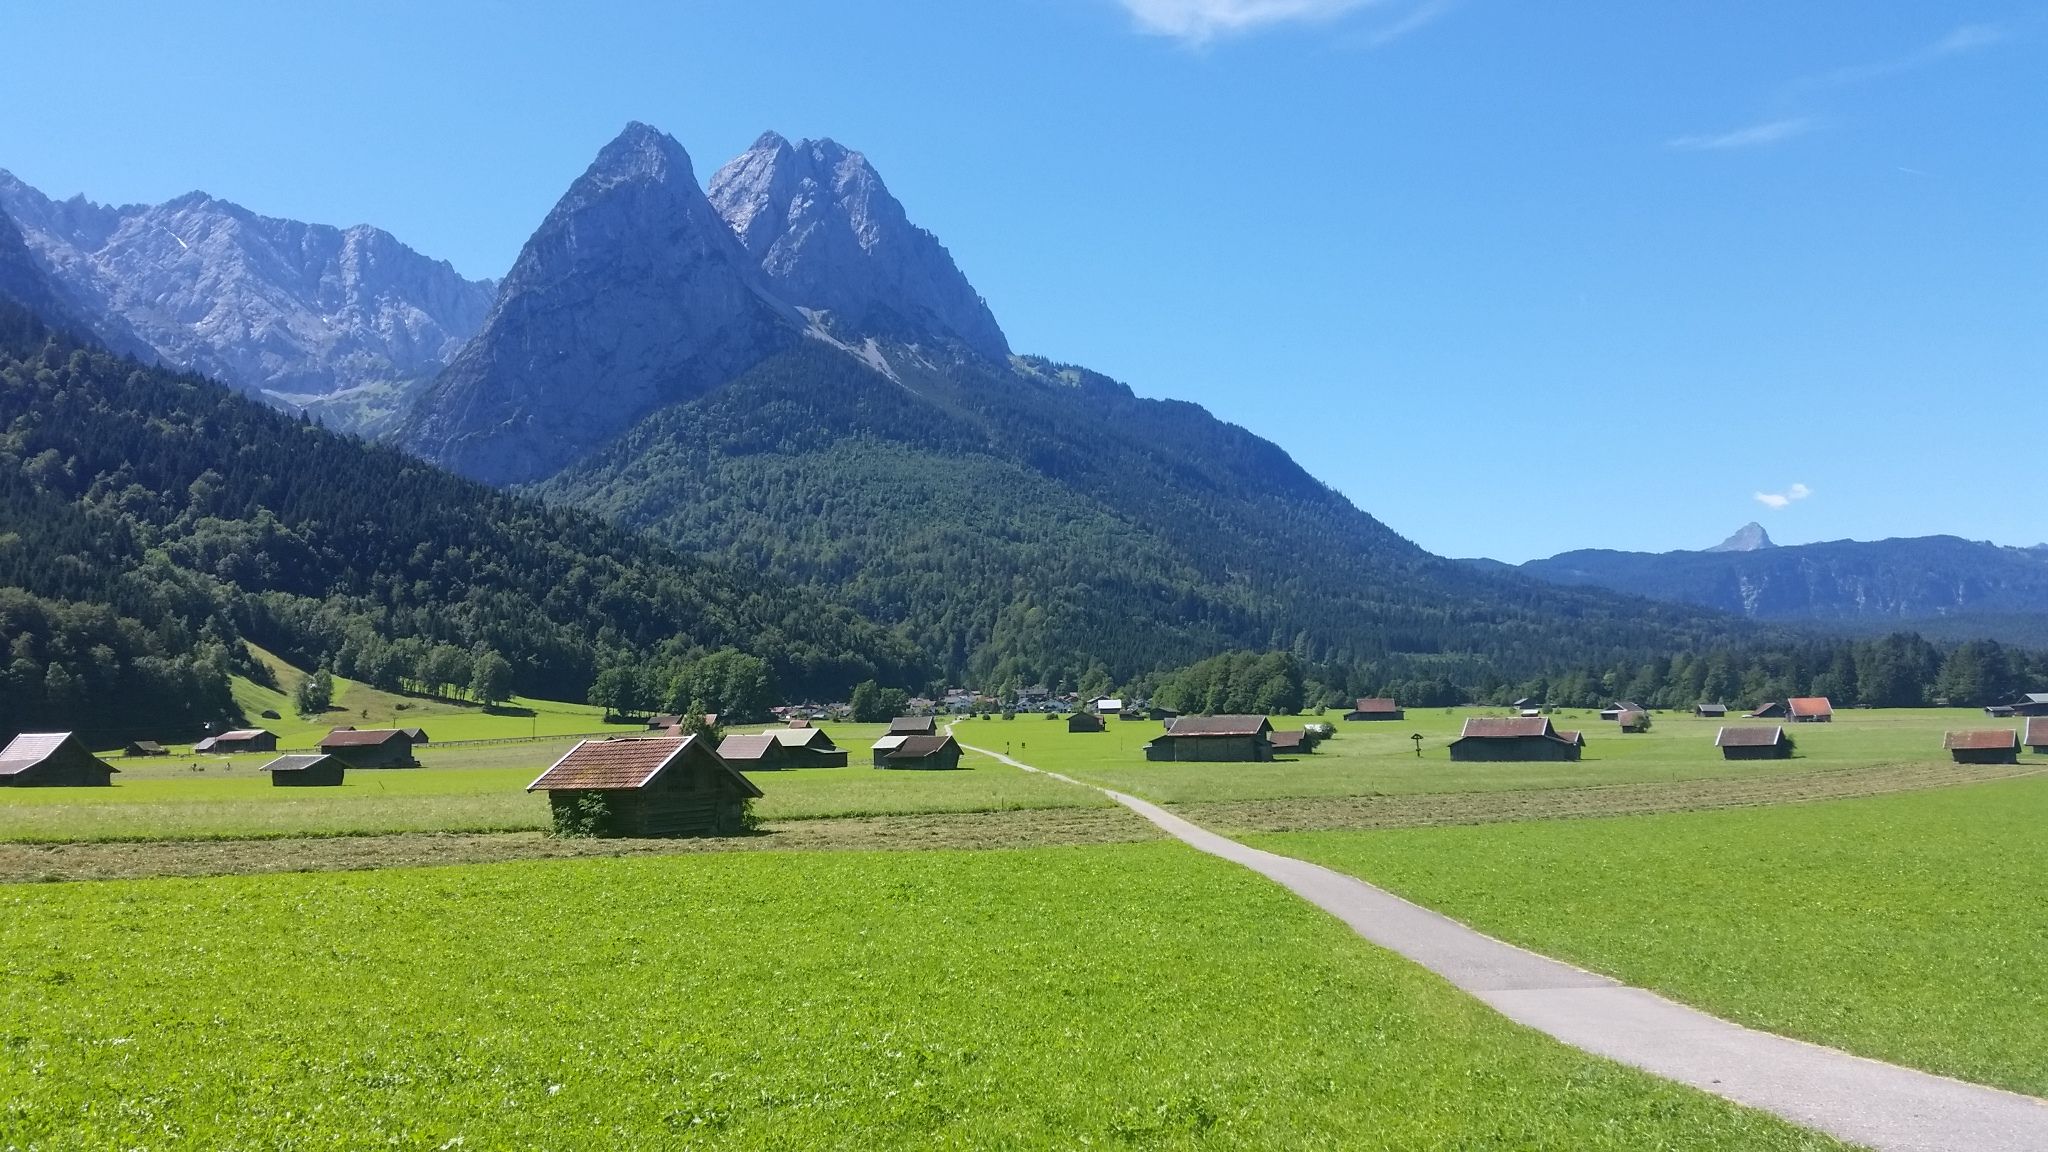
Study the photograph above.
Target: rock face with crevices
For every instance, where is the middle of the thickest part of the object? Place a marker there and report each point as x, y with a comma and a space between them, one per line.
831, 239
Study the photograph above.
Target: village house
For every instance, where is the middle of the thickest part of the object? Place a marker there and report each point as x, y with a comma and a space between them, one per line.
1710, 711
1498, 738
1106, 706
913, 726
644, 788
305, 770
238, 740
1214, 738
921, 752
1375, 708
1983, 746
370, 747
1754, 743
2036, 738
144, 748
52, 760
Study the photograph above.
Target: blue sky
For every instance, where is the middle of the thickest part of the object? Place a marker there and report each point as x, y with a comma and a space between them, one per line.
1514, 277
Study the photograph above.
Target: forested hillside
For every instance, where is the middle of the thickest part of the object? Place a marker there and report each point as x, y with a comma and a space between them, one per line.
152, 520
1027, 522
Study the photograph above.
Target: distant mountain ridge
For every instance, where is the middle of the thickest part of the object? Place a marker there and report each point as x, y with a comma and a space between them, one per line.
1905, 580
343, 320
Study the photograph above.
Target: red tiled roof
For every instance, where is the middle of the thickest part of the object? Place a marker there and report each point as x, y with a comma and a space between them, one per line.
1981, 740
1810, 706
364, 738
1220, 726
1505, 727
1375, 704
1752, 737
612, 764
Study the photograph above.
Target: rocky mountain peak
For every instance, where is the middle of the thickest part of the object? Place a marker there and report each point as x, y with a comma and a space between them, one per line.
1751, 537
831, 239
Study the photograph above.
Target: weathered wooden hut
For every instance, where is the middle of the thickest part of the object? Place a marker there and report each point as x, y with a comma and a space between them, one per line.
1710, 711
782, 748
1214, 738
1768, 710
370, 747
1375, 708
2031, 704
1983, 746
1614, 711
1809, 710
1755, 742
1499, 738
144, 748
52, 760
1633, 721
2036, 738
886, 745
306, 770
417, 735
663, 721
647, 787
1290, 743
238, 740
1085, 722
1156, 713
799, 722
925, 752
913, 726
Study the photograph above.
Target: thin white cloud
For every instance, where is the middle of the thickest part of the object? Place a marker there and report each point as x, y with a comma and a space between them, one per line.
1200, 21
1959, 41
1417, 18
1785, 498
1753, 136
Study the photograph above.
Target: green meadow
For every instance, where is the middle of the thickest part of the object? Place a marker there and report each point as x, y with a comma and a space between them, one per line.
1379, 758
1910, 928
1140, 996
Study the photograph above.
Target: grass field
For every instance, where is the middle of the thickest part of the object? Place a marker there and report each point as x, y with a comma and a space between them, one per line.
1138, 996
1910, 928
1377, 758
470, 789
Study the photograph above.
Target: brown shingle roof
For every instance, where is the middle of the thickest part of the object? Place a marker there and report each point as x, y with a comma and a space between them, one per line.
1577, 738
1809, 706
1220, 726
1375, 704
1980, 740
1505, 727
2037, 731
297, 762
613, 764
1287, 741
918, 747
364, 738
1751, 737
912, 725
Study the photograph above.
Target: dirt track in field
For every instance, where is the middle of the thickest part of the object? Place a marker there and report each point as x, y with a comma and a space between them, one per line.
1324, 813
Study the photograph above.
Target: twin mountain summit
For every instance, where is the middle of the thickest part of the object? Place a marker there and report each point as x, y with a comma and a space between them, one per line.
780, 370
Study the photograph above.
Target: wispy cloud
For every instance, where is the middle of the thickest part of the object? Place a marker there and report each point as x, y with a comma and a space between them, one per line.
1200, 21
1753, 136
1782, 499
1414, 20
1959, 41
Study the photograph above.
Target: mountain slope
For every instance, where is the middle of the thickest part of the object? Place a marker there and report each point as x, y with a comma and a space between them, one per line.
344, 320
830, 238
200, 517
632, 294
1026, 521
1899, 580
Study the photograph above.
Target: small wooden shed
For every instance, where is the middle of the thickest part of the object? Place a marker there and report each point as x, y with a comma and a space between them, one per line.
924, 752
1768, 710
1809, 710
1227, 739
370, 747
305, 770
1983, 746
1710, 711
663, 787
1085, 722
913, 726
1755, 742
1633, 721
1504, 738
1290, 743
1375, 708
2036, 738
2031, 704
144, 748
238, 740
52, 760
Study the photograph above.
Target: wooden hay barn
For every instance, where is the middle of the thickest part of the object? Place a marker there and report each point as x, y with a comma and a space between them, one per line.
783, 748
144, 748
1615, 710
1290, 743
52, 760
1809, 710
662, 722
2036, 738
1375, 708
922, 752
417, 735
1754, 743
1214, 738
370, 747
305, 770
1161, 714
1085, 722
1770, 710
1983, 746
1633, 721
646, 788
238, 740
1710, 711
913, 726
2032, 704
1498, 738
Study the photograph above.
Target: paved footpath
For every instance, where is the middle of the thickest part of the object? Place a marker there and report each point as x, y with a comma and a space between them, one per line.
1867, 1102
